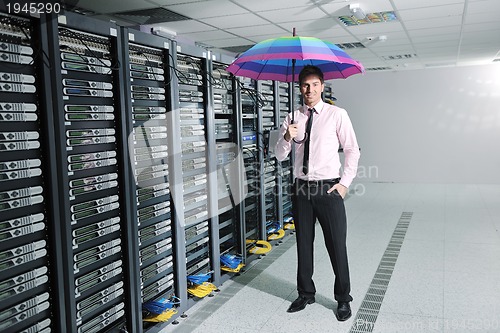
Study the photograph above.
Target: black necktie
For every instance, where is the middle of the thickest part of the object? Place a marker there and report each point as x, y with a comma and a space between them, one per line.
305, 164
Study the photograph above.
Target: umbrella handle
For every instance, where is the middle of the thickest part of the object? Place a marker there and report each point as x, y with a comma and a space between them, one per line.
293, 85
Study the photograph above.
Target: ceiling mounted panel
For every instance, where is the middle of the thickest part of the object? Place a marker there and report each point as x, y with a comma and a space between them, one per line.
152, 15
112, 6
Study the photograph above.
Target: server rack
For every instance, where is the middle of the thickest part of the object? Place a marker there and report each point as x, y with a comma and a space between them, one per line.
30, 255
268, 172
197, 141
150, 127
93, 169
229, 166
250, 149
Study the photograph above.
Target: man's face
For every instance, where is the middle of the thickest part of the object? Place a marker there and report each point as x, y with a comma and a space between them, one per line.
311, 89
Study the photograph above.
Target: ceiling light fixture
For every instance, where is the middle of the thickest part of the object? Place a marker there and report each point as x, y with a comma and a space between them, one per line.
356, 11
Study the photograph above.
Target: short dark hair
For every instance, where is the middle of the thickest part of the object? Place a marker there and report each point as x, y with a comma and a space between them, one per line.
310, 70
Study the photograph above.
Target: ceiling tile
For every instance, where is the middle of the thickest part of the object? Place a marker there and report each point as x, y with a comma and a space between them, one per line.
257, 30
291, 14
482, 17
186, 26
492, 38
482, 27
208, 35
235, 21
483, 7
263, 5
431, 12
434, 22
430, 32
437, 38
407, 4
305, 27
206, 9
227, 42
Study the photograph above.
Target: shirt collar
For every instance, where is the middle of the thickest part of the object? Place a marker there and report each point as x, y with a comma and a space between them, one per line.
318, 107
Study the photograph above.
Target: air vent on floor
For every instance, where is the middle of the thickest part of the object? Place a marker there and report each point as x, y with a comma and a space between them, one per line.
152, 15
370, 306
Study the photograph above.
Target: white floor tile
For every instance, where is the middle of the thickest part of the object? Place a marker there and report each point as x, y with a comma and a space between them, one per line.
415, 292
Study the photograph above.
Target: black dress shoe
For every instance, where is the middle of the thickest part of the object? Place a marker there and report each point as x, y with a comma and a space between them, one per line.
343, 311
300, 303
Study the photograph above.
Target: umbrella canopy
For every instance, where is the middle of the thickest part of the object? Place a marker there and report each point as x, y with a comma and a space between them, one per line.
282, 58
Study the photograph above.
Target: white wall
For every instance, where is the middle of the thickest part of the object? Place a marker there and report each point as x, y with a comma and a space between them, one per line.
438, 125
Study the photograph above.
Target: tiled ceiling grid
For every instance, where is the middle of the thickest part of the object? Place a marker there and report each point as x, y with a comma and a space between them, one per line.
427, 33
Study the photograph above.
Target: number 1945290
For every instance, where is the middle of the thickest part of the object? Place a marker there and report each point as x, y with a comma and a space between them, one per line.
33, 8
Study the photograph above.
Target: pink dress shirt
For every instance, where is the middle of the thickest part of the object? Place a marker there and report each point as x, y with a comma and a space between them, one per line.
331, 129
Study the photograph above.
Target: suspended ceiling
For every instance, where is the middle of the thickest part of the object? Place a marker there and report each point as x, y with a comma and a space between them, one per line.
426, 33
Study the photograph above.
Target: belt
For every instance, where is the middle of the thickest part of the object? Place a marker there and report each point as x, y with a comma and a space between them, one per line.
318, 182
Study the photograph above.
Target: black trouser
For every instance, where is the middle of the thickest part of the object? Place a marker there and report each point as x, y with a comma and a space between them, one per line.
310, 201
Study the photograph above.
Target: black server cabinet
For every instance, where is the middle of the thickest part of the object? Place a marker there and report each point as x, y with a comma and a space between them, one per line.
193, 106
93, 169
251, 146
30, 256
229, 161
146, 63
268, 167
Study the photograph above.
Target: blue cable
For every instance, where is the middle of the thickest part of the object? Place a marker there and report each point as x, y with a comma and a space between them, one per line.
230, 260
199, 278
161, 305
273, 226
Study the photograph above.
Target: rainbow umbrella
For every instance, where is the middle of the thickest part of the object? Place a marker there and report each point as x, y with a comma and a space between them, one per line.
281, 59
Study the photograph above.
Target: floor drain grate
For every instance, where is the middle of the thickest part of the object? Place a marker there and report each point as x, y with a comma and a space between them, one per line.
370, 306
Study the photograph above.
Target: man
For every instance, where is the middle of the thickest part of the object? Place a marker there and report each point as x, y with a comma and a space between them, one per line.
319, 130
